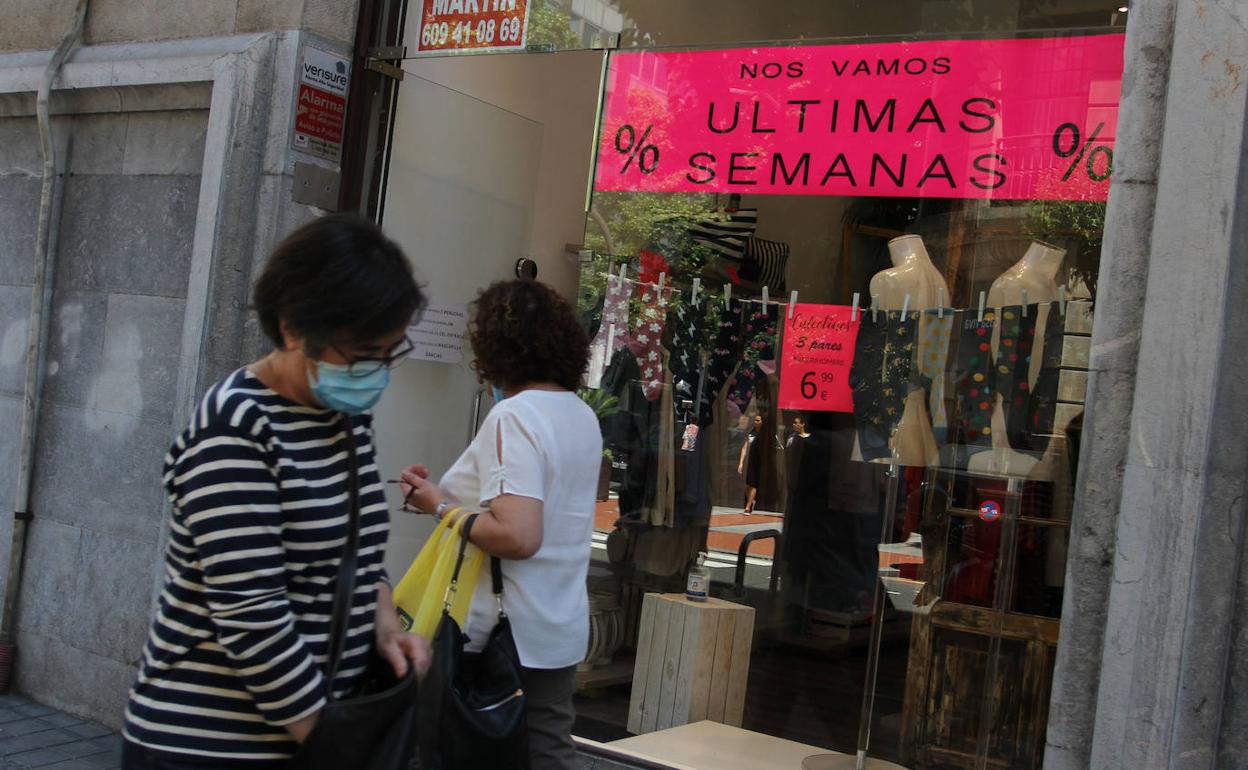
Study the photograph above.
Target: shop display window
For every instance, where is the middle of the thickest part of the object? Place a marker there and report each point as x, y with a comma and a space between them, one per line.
864, 409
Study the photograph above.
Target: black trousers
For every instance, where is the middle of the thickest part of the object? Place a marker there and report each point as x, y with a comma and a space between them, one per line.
550, 715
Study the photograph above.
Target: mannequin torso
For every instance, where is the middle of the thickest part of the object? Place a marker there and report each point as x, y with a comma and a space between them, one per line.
1031, 280
913, 275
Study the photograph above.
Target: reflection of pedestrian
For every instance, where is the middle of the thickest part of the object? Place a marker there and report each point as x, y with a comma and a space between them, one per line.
793, 449
750, 464
830, 525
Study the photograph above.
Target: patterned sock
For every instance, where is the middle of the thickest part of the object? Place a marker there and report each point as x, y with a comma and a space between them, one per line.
723, 358
688, 325
1043, 409
1013, 366
760, 345
973, 377
935, 332
614, 314
647, 336
880, 378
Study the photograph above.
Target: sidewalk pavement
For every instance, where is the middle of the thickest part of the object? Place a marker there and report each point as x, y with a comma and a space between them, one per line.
32, 736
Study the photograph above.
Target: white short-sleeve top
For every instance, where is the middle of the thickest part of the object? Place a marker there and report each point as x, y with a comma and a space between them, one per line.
550, 450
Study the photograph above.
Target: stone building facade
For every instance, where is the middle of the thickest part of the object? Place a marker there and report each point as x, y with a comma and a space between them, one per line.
172, 127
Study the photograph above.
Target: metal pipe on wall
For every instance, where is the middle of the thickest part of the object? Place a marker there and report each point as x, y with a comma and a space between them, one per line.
36, 339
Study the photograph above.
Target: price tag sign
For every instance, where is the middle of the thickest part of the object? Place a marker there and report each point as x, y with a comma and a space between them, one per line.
816, 357
472, 25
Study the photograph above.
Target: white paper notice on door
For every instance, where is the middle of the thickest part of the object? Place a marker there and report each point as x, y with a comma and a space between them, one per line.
440, 334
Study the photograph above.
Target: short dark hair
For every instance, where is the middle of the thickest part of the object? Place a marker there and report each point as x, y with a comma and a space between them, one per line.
336, 279
523, 332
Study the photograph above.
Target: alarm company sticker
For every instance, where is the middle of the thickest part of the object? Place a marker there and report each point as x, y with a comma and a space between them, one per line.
321, 108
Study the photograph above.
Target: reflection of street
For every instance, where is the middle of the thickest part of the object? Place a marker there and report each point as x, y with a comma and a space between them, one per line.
728, 527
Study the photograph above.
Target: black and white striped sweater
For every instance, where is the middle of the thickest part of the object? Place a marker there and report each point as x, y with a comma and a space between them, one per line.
259, 486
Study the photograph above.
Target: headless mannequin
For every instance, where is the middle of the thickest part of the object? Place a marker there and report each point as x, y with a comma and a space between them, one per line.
912, 274
1036, 275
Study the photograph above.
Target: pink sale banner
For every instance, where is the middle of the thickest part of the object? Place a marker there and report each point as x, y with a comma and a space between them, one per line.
1030, 119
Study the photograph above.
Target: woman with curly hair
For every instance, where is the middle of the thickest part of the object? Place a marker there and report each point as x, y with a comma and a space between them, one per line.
532, 474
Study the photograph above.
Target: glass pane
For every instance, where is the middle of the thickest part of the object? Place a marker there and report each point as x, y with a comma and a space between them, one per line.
901, 562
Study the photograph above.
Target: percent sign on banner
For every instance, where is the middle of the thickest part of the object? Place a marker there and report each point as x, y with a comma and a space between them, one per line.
1014, 119
632, 148
1079, 149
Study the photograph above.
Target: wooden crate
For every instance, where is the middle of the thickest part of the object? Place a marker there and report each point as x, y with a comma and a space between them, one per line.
693, 659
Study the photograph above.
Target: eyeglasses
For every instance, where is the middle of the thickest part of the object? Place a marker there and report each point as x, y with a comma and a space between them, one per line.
364, 366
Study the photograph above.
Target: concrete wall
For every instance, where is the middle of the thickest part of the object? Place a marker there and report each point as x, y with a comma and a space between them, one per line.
176, 186
39, 24
130, 195
1151, 666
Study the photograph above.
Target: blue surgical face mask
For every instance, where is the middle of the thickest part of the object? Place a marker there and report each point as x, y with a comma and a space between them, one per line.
498, 393
336, 389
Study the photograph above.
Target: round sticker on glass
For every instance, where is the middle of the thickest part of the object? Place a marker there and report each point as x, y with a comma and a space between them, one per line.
990, 510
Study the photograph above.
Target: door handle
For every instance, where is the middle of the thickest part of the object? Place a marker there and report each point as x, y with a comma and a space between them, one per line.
476, 415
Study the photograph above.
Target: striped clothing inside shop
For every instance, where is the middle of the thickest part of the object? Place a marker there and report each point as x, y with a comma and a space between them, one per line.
260, 492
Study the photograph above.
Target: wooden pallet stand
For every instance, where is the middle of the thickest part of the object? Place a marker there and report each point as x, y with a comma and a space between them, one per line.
693, 660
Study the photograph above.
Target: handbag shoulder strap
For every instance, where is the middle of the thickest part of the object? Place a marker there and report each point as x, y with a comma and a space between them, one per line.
453, 586
496, 571
344, 586
496, 579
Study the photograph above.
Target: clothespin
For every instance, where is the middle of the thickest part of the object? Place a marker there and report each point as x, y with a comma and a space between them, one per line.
940, 302
1061, 299
697, 285
875, 306
765, 298
610, 338
905, 308
1024, 303
662, 280
623, 272
792, 302
853, 311
981, 307
727, 294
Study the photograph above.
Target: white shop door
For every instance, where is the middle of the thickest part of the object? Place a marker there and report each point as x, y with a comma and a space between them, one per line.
462, 192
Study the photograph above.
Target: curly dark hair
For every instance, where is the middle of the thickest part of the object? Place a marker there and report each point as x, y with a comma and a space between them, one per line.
523, 332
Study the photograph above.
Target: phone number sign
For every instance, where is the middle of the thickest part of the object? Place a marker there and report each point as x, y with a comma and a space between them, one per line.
816, 357
472, 25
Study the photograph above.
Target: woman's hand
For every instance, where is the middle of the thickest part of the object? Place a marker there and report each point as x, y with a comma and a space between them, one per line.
398, 647
303, 728
418, 491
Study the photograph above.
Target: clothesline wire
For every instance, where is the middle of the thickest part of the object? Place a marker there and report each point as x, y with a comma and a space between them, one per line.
705, 292
784, 303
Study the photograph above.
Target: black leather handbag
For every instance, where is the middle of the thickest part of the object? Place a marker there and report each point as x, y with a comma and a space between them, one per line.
376, 729
472, 704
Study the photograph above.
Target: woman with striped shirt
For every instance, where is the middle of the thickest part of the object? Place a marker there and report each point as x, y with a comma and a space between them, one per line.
233, 671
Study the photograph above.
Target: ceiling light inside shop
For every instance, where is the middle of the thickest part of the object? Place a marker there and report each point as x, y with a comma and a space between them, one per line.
1122, 9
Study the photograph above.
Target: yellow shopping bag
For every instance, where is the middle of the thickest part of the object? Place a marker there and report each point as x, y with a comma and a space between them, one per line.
426, 588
